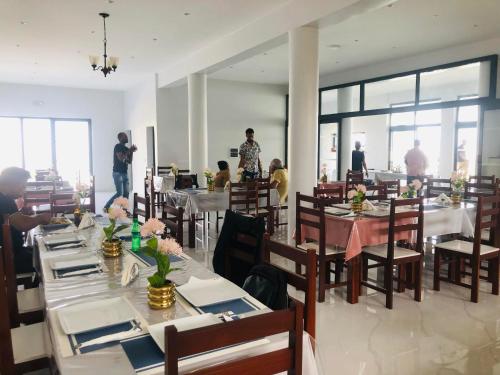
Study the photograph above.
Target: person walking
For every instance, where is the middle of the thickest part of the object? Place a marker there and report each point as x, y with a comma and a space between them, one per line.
122, 157
358, 159
249, 157
416, 163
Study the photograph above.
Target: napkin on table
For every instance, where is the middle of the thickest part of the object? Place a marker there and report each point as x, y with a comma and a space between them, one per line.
130, 271
87, 221
442, 198
368, 206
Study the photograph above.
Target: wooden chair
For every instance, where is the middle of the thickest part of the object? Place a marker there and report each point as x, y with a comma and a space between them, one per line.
163, 171
479, 189
304, 282
62, 203
487, 217
314, 217
393, 187
186, 181
89, 204
142, 208
22, 349
243, 197
437, 186
335, 193
217, 336
376, 193
352, 178
390, 255
173, 217
25, 306
482, 179
264, 208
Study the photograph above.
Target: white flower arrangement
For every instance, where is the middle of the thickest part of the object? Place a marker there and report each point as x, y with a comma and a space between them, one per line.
357, 195
458, 180
209, 175
410, 190
174, 169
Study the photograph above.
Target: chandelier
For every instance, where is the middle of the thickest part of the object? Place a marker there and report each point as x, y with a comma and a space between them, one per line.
111, 62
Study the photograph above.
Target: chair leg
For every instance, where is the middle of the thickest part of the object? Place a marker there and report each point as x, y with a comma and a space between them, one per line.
321, 277
328, 272
389, 286
437, 265
494, 274
298, 268
339, 265
401, 278
364, 273
474, 297
419, 268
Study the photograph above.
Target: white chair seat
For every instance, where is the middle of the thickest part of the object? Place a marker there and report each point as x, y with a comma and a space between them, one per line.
29, 342
381, 251
315, 246
29, 300
465, 247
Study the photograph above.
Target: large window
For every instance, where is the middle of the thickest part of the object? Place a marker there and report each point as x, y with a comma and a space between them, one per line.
38, 143
466, 137
380, 94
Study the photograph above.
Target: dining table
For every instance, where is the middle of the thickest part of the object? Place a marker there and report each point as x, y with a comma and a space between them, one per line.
83, 306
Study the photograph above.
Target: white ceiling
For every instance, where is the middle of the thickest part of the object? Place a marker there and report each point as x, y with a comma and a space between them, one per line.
406, 28
49, 42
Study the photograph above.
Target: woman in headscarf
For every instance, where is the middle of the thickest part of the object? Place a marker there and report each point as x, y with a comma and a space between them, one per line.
223, 176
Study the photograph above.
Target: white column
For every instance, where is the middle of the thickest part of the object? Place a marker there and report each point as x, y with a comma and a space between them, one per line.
345, 95
303, 115
197, 119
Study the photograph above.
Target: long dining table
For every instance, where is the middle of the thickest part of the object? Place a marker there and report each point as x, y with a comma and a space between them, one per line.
105, 286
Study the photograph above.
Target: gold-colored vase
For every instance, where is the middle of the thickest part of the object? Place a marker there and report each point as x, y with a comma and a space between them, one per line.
211, 186
77, 215
112, 249
456, 198
161, 298
357, 207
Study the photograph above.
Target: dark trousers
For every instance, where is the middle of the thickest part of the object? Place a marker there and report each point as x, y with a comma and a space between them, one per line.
23, 260
249, 176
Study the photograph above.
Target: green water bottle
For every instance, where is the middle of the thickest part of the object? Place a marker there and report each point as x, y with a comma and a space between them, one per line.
136, 235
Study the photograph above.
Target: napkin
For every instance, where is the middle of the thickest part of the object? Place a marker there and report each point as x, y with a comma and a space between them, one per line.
130, 271
442, 198
368, 206
87, 221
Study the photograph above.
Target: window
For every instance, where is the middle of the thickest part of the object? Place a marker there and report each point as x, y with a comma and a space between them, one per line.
329, 102
466, 137
381, 94
35, 144
328, 146
345, 99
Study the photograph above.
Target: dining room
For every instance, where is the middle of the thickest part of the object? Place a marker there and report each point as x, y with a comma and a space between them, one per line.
307, 187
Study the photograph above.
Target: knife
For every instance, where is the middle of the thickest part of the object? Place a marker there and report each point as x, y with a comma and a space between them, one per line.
86, 271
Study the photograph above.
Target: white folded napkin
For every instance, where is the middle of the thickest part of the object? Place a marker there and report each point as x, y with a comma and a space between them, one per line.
130, 271
368, 206
87, 221
442, 198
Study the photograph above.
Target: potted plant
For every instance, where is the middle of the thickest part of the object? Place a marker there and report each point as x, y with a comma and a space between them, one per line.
112, 245
457, 186
410, 190
210, 179
161, 291
357, 196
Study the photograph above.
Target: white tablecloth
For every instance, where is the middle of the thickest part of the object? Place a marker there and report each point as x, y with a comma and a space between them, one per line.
386, 176
450, 220
164, 184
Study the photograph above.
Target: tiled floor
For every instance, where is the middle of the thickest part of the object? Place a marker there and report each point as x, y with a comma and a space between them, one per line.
444, 334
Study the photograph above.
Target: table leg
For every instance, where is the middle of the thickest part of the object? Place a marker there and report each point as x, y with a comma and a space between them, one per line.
353, 278
192, 231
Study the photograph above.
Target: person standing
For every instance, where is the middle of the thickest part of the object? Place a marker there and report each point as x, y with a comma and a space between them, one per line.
279, 179
358, 159
122, 157
416, 163
462, 161
249, 157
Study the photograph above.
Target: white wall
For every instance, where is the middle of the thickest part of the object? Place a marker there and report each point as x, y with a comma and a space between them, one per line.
140, 112
104, 109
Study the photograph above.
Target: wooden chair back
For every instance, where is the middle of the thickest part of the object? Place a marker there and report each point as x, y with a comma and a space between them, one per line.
62, 203
352, 178
437, 186
199, 340
335, 193
315, 209
482, 179
393, 187
163, 171
487, 218
172, 217
142, 208
305, 282
264, 194
7, 365
411, 220
10, 276
376, 193
480, 189
243, 196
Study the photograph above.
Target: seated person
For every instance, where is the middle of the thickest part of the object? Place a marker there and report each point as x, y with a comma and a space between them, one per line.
12, 184
223, 176
279, 179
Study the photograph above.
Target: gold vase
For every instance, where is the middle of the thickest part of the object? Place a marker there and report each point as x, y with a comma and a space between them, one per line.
211, 186
357, 207
112, 249
161, 298
77, 215
456, 198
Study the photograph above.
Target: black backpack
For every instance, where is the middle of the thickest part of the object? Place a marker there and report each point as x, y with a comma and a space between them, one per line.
268, 285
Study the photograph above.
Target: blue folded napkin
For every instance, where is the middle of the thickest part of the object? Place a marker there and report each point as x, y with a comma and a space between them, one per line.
143, 353
58, 274
51, 227
238, 306
125, 238
80, 338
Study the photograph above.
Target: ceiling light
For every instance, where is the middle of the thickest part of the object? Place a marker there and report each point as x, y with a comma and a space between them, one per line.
187, 14
111, 62
132, 57
155, 39
262, 71
475, 25
92, 32
435, 15
18, 45
356, 40
334, 46
336, 62
24, 22
111, 1
265, 53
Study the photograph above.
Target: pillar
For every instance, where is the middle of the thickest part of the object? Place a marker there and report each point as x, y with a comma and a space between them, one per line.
345, 104
197, 119
303, 115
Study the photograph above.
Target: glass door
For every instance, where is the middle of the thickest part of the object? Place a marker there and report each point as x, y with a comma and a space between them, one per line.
328, 150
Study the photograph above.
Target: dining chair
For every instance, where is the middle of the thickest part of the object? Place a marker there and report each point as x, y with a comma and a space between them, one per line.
335, 193
352, 178
163, 171
186, 181
141, 209
393, 187
310, 212
480, 189
24, 348
304, 282
89, 203
62, 203
482, 179
376, 193
243, 197
187, 343
173, 217
475, 251
25, 306
437, 186
389, 255
264, 208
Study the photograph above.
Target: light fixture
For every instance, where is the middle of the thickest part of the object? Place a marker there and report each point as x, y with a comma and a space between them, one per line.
334, 46
111, 62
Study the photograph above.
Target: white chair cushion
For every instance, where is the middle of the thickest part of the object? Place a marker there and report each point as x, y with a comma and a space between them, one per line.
29, 300
29, 342
465, 247
381, 251
315, 246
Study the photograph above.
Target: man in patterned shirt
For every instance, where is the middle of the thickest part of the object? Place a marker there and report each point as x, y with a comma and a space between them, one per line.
249, 157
